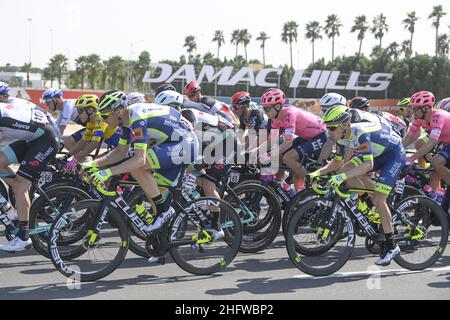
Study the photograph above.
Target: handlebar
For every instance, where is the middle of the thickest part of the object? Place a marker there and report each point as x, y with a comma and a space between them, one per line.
86, 178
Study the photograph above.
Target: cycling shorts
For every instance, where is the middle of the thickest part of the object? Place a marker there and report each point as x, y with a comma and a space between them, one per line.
310, 148
167, 159
390, 166
445, 153
33, 156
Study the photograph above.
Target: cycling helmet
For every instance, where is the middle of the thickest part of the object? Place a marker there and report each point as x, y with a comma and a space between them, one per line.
192, 88
52, 93
332, 99
360, 103
4, 88
87, 101
336, 116
404, 102
170, 98
423, 99
111, 101
135, 97
272, 97
240, 98
444, 104
164, 87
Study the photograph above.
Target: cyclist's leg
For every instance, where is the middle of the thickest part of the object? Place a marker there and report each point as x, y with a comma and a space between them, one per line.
441, 164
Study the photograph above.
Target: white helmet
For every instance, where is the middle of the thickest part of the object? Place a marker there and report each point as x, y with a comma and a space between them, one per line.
170, 98
135, 97
331, 99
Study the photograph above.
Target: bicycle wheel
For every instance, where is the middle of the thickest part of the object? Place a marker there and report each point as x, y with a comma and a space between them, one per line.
262, 224
211, 256
42, 214
296, 203
94, 261
422, 245
305, 233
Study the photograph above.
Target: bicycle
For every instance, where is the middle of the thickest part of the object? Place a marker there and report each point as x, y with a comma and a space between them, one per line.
185, 237
319, 225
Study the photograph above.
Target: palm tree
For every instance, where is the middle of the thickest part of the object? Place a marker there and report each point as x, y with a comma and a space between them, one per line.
332, 26
406, 48
27, 68
141, 67
115, 68
393, 50
437, 14
289, 35
263, 37
410, 24
81, 67
235, 39
313, 33
218, 36
379, 27
361, 25
59, 64
244, 38
443, 45
190, 44
94, 67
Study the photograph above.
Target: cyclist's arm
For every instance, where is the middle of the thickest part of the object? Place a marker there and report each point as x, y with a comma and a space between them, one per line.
79, 146
337, 162
365, 165
326, 150
426, 148
61, 129
91, 146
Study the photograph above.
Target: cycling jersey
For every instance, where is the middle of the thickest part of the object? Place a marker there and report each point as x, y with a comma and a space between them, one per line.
297, 122
221, 108
50, 118
98, 130
170, 136
22, 121
396, 123
438, 128
256, 120
69, 113
377, 142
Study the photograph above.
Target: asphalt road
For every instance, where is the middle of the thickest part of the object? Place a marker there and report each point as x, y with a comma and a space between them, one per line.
261, 276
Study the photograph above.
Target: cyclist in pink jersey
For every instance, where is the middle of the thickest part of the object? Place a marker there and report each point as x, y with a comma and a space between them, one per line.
437, 122
304, 133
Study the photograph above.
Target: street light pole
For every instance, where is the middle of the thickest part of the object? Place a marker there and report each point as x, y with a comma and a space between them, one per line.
51, 43
29, 52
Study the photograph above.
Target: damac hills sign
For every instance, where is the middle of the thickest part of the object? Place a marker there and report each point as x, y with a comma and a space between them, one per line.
318, 79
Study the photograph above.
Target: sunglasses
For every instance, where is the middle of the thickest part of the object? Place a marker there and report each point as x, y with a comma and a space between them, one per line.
333, 128
267, 109
105, 116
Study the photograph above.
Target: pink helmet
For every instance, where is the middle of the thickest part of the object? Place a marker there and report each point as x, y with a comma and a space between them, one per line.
423, 99
273, 97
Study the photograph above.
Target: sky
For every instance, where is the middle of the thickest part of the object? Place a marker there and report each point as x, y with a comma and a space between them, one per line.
125, 28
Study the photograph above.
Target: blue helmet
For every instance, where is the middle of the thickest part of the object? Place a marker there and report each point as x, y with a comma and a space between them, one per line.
52, 93
4, 88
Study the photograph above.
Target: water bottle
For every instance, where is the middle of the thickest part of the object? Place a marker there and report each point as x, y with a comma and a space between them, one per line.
8, 209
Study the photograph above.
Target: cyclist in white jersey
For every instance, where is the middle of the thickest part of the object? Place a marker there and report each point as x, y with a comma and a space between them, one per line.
65, 108
5, 98
34, 147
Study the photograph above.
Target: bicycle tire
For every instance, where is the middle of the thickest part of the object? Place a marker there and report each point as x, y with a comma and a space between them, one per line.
332, 260
73, 269
436, 217
181, 226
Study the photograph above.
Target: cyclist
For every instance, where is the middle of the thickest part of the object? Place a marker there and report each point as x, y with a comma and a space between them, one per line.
363, 104
437, 123
332, 99
170, 98
194, 93
65, 108
304, 134
404, 107
163, 141
5, 98
250, 116
164, 87
34, 147
376, 147
97, 131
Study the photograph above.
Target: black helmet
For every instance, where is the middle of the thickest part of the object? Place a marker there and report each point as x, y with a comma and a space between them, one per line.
359, 103
165, 87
